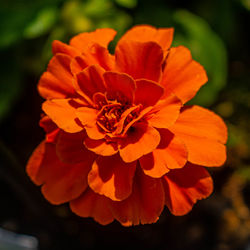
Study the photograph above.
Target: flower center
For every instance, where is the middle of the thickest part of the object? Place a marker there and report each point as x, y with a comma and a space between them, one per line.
115, 117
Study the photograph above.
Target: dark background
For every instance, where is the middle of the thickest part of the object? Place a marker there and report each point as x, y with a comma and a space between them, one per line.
217, 32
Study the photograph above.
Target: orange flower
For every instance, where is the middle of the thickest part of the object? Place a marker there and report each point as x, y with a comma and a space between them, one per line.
120, 144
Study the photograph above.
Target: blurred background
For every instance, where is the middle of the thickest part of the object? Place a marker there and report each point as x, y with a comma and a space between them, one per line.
217, 33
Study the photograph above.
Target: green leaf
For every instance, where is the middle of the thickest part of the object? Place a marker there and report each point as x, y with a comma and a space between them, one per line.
207, 48
127, 3
246, 4
42, 23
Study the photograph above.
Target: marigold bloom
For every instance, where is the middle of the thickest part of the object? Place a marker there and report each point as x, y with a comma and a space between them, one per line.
120, 143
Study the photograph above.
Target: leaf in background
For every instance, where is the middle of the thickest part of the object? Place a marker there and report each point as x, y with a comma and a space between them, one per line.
246, 4
42, 23
16, 15
127, 3
207, 48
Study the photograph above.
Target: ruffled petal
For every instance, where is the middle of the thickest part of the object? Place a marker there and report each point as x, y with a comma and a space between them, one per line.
144, 88
139, 60
198, 121
165, 112
66, 182
146, 33
144, 205
141, 139
182, 75
60, 47
171, 153
34, 164
183, 187
88, 117
70, 148
90, 81
61, 182
101, 147
90, 204
50, 128
56, 82
203, 133
112, 177
85, 40
120, 85
96, 55
63, 114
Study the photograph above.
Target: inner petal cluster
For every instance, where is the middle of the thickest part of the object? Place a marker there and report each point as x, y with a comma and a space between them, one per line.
115, 116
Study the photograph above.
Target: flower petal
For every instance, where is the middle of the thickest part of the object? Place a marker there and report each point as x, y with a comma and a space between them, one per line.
59, 47
66, 182
112, 177
61, 182
144, 205
140, 60
165, 112
141, 140
144, 88
96, 55
90, 204
203, 133
35, 162
63, 114
198, 121
85, 40
146, 33
171, 153
56, 82
183, 187
90, 81
50, 128
182, 75
88, 117
119, 84
70, 148
101, 147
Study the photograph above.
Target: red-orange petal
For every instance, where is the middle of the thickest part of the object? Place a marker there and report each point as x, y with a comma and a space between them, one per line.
147, 33
195, 120
144, 88
165, 112
183, 187
140, 140
35, 162
66, 182
112, 177
90, 204
50, 128
204, 134
56, 82
85, 40
61, 182
89, 81
171, 153
140, 60
63, 114
95, 55
88, 117
119, 85
101, 147
70, 148
60, 47
144, 205
182, 75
